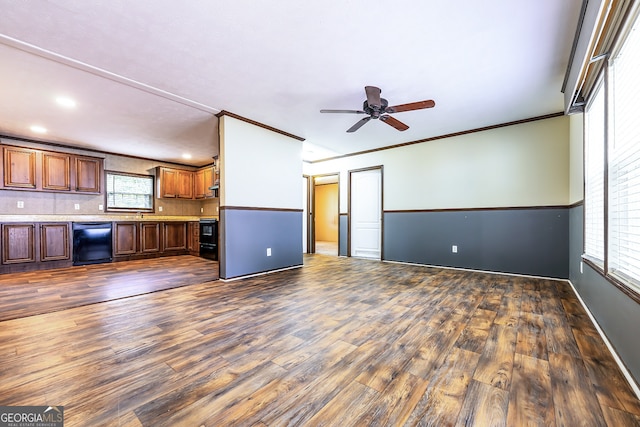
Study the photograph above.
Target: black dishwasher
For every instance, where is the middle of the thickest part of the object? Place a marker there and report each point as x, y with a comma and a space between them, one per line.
92, 243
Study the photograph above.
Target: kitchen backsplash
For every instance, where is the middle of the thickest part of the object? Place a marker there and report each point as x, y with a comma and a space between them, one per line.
41, 203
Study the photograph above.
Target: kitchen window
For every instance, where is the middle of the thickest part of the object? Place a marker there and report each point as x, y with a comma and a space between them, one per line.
129, 192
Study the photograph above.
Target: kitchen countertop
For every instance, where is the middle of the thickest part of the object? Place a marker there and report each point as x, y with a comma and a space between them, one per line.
94, 218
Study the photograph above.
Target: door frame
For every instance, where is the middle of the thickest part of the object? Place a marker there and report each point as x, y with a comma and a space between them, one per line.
311, 224
349, 216
306, 210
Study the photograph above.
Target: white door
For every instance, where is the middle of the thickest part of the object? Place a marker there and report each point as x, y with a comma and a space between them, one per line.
366, 214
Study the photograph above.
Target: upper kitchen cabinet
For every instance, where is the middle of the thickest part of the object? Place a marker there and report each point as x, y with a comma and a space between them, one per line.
88, 172
56, 171
19, 168
204, 181
175, 183
29, 169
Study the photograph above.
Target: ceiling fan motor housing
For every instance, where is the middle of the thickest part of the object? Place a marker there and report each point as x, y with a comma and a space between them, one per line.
375, 112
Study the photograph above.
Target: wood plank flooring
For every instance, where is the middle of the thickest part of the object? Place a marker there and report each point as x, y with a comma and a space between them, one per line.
339, 342
45, 291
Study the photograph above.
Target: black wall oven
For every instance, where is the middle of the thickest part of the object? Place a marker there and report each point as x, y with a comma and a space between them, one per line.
209, 238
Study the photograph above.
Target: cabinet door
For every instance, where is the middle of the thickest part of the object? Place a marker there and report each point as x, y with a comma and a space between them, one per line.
149, 237
185, 184
199, 185
55, 171
204, 181
88, 172
19, 167
175, 236
54, 242
168, 183
194, 237
18, 243
125, 236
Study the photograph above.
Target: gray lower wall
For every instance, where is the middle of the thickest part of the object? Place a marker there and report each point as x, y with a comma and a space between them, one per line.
525, 241
343, 233
245, 236
617, 314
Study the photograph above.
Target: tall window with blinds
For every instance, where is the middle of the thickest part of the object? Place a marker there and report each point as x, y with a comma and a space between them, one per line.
594, 177
624, 162
129, 192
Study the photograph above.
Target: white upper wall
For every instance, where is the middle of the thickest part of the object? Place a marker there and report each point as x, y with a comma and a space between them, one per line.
258, 167
512, 166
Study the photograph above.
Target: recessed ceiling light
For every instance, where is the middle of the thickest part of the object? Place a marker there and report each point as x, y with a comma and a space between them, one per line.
186, 156
38, 129
63, 101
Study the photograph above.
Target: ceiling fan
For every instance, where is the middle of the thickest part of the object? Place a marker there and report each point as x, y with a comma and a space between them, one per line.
378, 108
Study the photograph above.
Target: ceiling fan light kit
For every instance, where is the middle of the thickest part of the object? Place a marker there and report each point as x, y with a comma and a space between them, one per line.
378, 108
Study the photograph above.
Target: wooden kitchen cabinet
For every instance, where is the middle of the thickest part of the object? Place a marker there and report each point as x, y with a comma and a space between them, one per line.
19, 167
204, 179
185, 184
174, 236
18, 243
88, 173
38, 170
56, 171
149, 237
54, 242
193, 231
125, 237
175, 183
167, 183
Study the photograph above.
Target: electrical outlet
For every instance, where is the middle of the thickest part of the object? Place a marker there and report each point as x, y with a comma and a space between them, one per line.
581, 264
159, 208
100, 207
454, 249
268, 251
20, 204
201, 210
77, 206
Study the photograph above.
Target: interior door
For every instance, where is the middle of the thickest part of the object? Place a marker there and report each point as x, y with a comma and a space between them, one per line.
366, 213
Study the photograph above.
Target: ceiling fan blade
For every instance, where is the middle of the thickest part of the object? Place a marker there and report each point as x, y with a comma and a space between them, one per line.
343, 111
358, 124
373, 97
411, 106
394, 122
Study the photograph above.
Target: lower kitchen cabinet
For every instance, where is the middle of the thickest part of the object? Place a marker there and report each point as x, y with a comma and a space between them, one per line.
144, 239
193, 233
18, 243
174, 236
35, 246
125, 236
150, 237
55, 244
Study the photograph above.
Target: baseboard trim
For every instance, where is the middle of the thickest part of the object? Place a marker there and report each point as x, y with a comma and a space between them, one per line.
262, 273
627, 375
475, 271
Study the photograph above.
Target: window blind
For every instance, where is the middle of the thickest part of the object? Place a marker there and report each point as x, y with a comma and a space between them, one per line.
624, 162
594, 177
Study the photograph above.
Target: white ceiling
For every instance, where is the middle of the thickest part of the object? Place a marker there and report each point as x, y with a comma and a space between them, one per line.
150, 75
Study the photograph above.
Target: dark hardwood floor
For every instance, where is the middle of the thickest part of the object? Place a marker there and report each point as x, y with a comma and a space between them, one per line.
39, 292
339, 342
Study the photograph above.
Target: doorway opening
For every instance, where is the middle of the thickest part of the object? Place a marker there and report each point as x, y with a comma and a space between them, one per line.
326, 214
